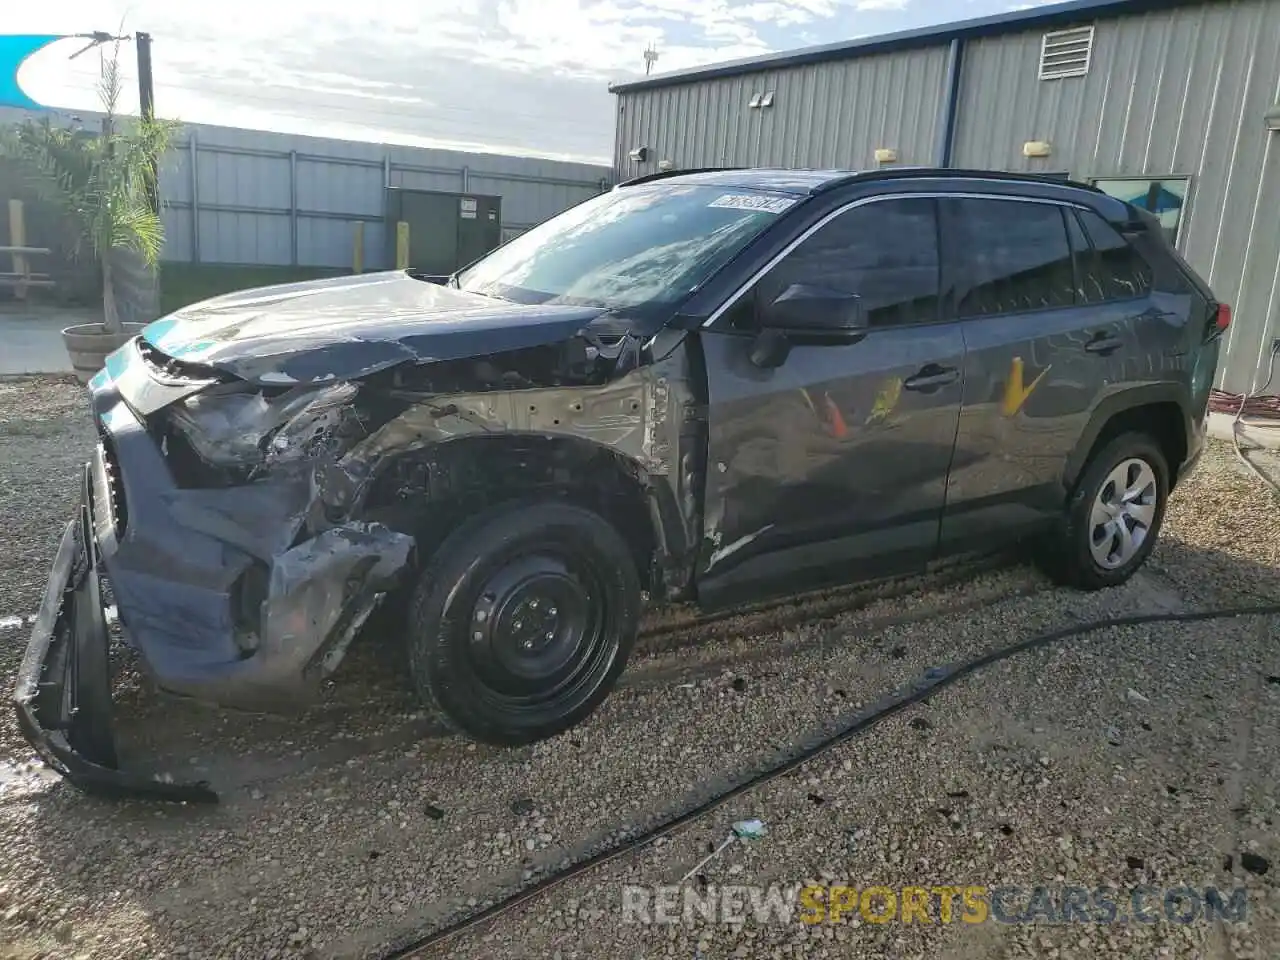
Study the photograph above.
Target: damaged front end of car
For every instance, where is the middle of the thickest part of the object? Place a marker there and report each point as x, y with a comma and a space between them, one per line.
248, 517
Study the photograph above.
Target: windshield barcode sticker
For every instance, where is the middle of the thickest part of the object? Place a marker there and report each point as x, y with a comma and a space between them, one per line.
752, 201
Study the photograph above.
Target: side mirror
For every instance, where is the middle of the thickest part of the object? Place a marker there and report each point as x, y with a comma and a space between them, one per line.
809, 314
804, 309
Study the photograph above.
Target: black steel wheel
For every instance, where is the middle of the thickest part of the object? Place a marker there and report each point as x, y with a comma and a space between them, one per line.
522, 621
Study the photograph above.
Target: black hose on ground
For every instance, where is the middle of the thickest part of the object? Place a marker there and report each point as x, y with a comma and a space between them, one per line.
922, 689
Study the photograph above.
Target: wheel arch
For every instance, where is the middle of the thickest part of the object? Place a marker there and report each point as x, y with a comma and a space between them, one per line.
1160, 410
430, 491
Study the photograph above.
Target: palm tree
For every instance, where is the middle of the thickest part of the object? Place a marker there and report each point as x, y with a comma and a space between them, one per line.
103, 183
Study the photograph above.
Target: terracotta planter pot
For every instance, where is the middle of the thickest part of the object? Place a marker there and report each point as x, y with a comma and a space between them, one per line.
88, 345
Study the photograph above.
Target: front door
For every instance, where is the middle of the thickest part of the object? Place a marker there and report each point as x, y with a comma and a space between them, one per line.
834, 464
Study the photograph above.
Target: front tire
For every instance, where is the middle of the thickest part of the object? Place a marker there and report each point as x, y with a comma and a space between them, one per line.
1113, 518
523, 621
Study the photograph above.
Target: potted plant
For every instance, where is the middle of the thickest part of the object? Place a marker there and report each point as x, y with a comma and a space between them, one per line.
104, 184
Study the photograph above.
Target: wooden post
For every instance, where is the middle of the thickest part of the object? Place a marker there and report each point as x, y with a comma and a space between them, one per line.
18, 238
357, 252
402, 245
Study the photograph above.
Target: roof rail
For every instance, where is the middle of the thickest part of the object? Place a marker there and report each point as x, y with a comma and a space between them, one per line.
664, 174
905, 173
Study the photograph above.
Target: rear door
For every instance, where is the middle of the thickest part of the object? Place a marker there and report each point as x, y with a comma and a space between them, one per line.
834, 464
1050, 300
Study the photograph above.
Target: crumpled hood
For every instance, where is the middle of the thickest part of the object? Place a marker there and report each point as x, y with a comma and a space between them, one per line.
352, 326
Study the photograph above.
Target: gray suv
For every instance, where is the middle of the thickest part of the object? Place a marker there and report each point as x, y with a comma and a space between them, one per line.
709, 386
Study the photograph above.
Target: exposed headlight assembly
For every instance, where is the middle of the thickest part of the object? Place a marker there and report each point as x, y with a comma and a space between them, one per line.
239, 430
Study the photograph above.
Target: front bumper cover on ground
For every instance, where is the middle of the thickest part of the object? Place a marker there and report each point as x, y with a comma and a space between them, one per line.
63, 695
231, 596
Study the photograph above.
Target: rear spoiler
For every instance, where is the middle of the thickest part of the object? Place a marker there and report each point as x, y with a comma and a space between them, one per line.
1139, 221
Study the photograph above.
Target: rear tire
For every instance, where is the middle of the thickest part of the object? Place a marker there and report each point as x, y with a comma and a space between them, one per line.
1113, 517
522, 621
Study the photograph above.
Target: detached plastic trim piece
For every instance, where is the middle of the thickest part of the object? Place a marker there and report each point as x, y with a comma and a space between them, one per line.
98, 780
63, 694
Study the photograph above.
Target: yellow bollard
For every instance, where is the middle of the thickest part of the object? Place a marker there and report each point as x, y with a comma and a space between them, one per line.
357, 253
402, 245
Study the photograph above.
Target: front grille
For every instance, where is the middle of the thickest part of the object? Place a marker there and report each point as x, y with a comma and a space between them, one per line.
169, 369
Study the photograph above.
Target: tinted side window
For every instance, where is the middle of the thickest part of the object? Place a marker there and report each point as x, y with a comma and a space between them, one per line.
1012, 256
1109, 268
886, 252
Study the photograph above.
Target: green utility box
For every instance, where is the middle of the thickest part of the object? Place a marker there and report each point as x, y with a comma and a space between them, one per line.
446, 230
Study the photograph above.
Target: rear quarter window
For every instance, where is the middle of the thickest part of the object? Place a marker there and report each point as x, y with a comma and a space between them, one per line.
1172, 274
1108, 267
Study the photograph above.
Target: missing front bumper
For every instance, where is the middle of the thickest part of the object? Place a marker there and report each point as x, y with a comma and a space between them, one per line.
63, 695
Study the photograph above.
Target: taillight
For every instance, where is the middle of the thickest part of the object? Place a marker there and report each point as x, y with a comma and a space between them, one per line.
1223, 318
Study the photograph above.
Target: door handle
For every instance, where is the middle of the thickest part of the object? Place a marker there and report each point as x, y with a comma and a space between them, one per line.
1104, 344
931, 377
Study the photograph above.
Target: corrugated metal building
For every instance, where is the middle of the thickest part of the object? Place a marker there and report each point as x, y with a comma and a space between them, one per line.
1175, 102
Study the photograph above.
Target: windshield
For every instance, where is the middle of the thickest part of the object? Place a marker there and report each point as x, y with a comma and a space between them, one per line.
647, 245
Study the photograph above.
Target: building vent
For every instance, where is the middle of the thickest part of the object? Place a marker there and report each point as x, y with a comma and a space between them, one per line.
1066, 53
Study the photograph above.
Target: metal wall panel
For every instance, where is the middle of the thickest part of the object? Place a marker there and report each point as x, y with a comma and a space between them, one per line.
832, 114
325, 242
243, 238
175, 171
1176, 92
339, 188
446, 181
177, 233
265, 198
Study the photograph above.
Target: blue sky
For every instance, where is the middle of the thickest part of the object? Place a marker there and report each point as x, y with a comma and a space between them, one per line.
514, 76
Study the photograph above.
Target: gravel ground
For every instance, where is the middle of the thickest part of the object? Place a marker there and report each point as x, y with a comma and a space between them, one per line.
1132, 756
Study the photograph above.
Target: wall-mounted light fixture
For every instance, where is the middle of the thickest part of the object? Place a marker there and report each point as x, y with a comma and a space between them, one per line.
767, 99
1037, 148
1272, 118
886, 155
760, 100
665, 165
639, 154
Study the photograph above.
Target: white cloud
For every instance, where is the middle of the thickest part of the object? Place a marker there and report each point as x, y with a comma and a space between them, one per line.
503, 73
781, 14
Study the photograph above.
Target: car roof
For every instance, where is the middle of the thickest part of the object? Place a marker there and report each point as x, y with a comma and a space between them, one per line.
772, 179
804, 182
812, 182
